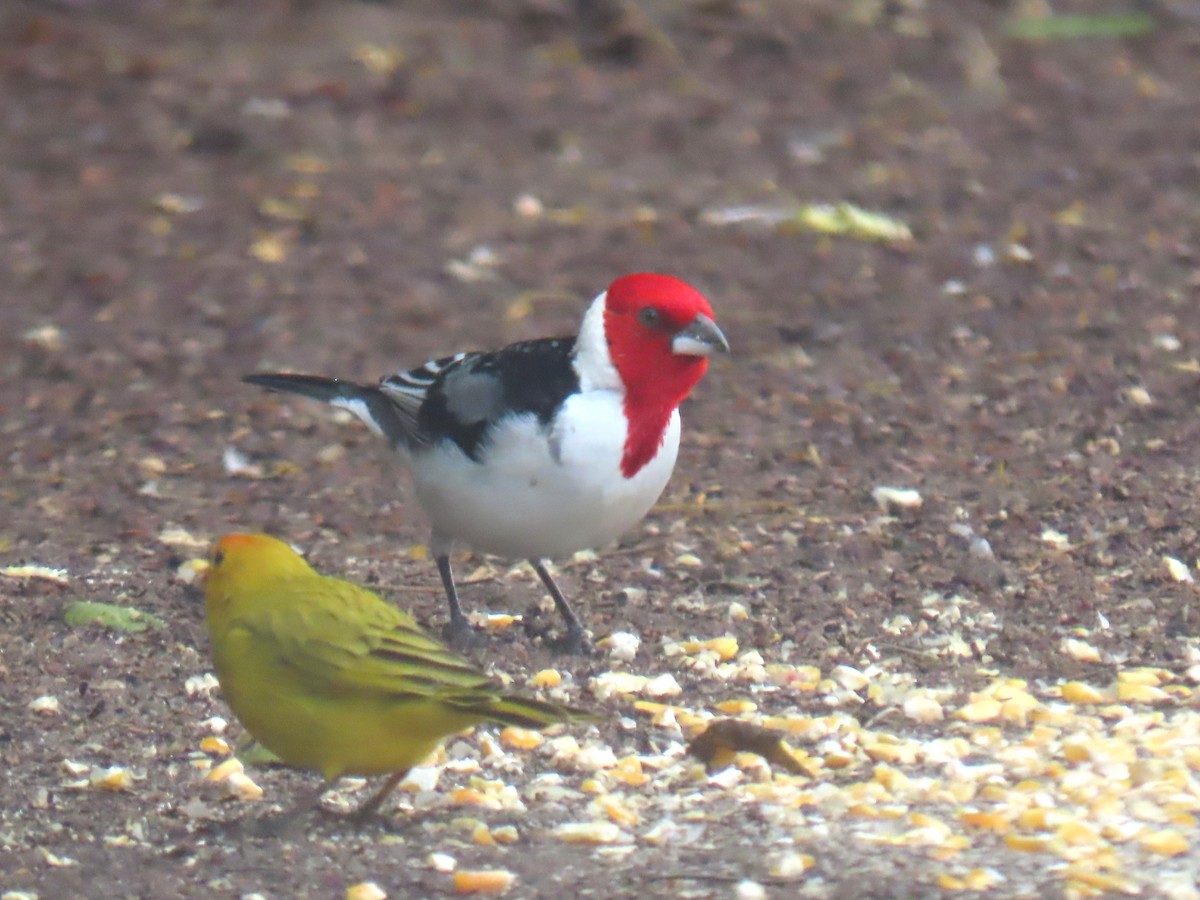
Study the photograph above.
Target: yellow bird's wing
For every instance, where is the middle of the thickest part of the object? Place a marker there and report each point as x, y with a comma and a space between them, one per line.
342, 640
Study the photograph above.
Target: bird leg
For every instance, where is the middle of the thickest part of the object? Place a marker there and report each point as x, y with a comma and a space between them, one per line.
369, 807
458, 632
574, 641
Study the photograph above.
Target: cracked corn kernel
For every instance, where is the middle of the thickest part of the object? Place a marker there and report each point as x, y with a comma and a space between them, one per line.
1076, 833
838, 760
216, 745
1080, 650
1145, 675
1166, 842
506, 834
618, 811
791, 865
1078, 692
484, 881
229, 767
514, 738
986, 709
465, 796
546, 678
1027, 843
629, 771
1134, 692
974, 880
985, 821
892, 779
115, 779
243, 786
1088, 877
1041, 819
365, 890
736, 707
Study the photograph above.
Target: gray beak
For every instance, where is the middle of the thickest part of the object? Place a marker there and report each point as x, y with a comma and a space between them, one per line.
702, 337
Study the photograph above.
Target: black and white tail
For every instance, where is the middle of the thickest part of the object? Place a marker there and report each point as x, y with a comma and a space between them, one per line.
387, 415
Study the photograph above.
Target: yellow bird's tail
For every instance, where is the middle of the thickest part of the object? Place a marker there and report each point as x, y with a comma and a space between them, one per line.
518, 711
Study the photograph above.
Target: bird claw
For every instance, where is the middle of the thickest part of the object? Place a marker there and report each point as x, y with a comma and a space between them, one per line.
573, 643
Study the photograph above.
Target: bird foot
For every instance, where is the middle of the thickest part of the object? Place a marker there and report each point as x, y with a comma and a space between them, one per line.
462, 635
573, 643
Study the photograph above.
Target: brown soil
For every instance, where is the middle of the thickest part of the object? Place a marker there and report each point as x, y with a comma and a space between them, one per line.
198, 190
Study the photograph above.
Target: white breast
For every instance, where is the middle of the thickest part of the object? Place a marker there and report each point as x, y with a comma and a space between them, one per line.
543, 492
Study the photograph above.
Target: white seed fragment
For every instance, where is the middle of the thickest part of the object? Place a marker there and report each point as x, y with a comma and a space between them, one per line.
1019, 253
422, 778
1056, 539
896, 498
527, 206
190, 571
621, 645
611, 684
180, 537
595, 833
749, 890
664, 685
239, 465
1177, 570
1080, 650
47, 337
850, 678
201, 684
923, 708
729, 777
43, 573
1138, 396
45, 705
56, 861
791, 865
442, 862
214, 725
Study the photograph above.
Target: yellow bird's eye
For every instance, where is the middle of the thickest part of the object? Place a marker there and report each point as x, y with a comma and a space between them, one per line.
218, 558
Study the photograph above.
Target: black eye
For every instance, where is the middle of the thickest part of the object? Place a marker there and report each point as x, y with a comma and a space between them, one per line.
649, 316
218, 558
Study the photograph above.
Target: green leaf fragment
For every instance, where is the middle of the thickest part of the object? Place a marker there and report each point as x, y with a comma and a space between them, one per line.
1067, 27
119, 618
849, 220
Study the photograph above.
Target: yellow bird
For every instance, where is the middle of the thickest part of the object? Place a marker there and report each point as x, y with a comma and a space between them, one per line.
329, 677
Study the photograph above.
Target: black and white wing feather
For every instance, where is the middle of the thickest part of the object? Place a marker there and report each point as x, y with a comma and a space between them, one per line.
457, 398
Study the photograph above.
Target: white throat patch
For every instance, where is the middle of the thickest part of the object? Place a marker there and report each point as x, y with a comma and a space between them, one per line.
593, 363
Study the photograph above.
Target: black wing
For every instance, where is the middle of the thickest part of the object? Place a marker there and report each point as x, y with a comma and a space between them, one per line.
457, 398
465, 399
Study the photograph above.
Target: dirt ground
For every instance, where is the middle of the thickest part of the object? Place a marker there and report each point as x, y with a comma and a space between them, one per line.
197, 190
